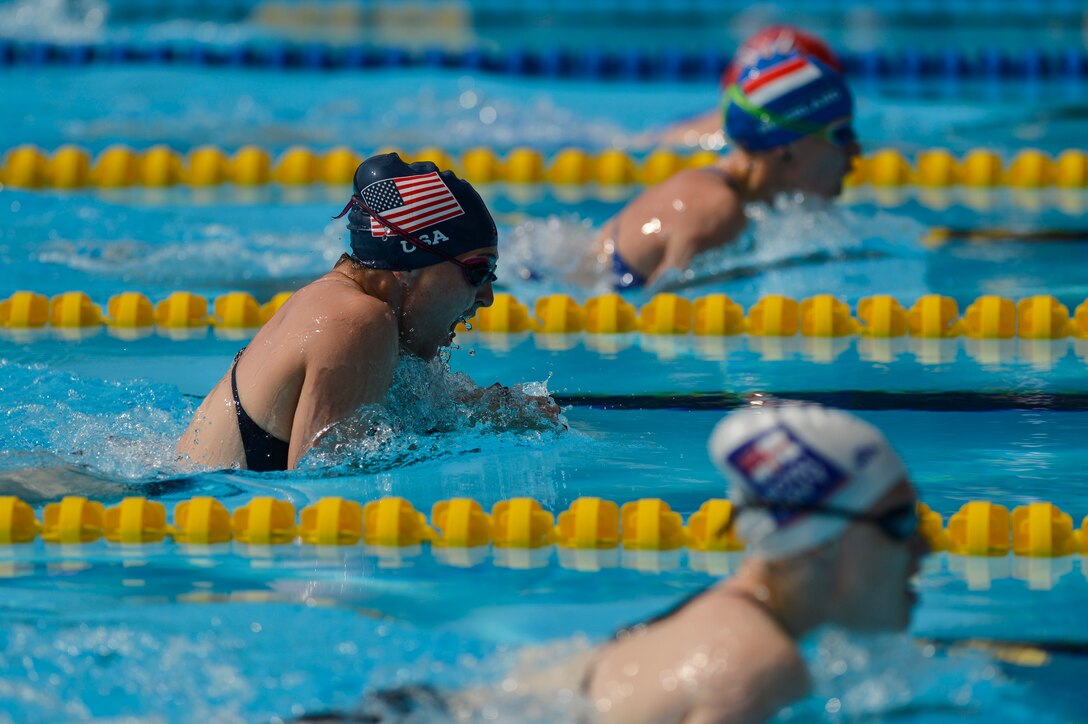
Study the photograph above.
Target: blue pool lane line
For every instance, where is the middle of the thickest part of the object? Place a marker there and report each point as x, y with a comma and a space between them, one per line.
669, 65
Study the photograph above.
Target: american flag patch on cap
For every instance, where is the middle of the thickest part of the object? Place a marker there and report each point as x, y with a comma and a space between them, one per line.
775, 81
411, 202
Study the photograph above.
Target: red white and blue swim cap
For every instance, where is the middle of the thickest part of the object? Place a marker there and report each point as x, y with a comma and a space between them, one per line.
782, 98
779, 40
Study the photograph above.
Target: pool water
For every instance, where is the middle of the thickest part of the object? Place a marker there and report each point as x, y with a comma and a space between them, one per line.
250, 633
96, 106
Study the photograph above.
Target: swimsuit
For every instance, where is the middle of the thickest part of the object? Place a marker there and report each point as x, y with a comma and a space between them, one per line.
264, 452
626, 276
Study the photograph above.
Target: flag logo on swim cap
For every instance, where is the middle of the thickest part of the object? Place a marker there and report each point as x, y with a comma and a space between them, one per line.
410, 202
434, 206
780, 468
779, 99
778, 79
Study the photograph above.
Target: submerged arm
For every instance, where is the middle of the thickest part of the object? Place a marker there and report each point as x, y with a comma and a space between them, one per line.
512, 407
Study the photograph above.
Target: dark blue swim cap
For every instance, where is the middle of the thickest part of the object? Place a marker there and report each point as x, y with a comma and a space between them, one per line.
434, 206
782, 98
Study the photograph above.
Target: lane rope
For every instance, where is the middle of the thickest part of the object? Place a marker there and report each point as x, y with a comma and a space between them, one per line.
933, 316
629, 65
979, 528
121, 166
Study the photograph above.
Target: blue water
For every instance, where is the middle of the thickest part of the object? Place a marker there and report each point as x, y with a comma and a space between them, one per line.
241, 633
188, 107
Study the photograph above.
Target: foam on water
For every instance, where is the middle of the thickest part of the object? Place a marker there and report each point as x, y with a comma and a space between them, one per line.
433, 413
123, 431
795, 228
555, 255
214, 662
856, 676
214, 254
56, 20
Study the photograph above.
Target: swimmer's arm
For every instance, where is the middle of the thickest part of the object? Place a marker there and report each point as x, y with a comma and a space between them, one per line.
773, 678
710, 227
512, 406
349, 365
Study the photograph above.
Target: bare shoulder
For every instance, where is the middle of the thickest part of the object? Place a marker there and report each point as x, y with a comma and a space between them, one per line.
703, 200
768, 671
338, 306
707, 211
710, 186
691, 193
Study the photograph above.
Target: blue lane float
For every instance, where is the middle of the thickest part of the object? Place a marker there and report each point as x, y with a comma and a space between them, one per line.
633, 65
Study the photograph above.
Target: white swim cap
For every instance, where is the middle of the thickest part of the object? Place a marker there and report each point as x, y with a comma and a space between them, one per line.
800, 455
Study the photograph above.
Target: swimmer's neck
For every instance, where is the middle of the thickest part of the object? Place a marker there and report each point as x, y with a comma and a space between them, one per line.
751, 176
796, 613
377, 283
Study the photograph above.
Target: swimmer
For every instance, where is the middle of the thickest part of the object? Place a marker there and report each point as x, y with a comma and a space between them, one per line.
830, 518
772, 40
790, 120
423, 254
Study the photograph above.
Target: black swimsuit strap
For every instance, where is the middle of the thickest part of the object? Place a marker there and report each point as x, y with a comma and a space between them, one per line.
234, 384
263, 451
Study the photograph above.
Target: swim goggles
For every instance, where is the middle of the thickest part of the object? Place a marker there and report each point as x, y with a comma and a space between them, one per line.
839, 133
478, 270
899, 523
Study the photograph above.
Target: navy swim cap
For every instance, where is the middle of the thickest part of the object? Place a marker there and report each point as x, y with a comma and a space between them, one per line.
434, 206
782, 98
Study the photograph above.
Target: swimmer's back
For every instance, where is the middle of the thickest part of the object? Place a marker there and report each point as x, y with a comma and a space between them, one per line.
720, 658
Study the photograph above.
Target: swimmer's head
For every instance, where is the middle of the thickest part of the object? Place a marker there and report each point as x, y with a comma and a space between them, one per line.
787, 463
432, 206
787, 97
779, 40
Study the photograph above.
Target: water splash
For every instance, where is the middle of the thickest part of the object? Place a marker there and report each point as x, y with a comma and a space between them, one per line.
496, 115
432, 413
124, 431
555, 255
795, 228
81, 433
855, 677
57, 20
